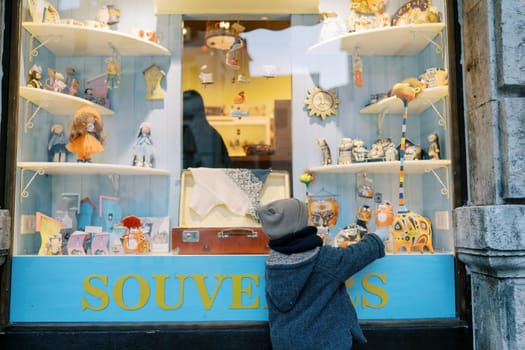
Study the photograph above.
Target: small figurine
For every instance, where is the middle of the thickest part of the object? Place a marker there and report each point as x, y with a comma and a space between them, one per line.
359, 151
345, 151
390, 152
377, 152
433, 148
35, 74
50, 81
413, 152
364, 213
143, 148
89, 95
56, 146
71, 82
58, 84
87, 136
134, 240
325, 149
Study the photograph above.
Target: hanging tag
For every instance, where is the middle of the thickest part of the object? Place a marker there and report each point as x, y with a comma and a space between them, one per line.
358, 70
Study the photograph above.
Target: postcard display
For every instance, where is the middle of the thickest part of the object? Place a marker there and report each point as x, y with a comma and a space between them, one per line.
97, 222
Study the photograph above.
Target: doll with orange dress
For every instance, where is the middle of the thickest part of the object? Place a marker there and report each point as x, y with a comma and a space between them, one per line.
86, 134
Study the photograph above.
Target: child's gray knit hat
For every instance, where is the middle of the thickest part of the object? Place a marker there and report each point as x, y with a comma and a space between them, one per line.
283, 216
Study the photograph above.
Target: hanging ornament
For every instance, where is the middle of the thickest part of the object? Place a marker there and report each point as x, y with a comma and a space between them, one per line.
205, 77
113, 70
358, 69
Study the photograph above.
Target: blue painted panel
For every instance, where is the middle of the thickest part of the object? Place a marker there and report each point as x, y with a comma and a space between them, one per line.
210, 288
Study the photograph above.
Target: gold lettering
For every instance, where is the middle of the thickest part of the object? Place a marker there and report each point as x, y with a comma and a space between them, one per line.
160, 294
96, 292
203, 291
349, 284
375, 290
118, 292
238, 291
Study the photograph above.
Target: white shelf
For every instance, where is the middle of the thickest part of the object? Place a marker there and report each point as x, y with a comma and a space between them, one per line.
393, 105
50, 168
70, 40
390, 41
58, 103
240, 7
379, 167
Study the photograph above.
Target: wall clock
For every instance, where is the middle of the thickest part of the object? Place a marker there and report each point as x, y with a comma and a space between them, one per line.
322, 103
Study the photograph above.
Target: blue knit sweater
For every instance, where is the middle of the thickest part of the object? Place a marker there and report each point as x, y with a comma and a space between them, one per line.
309, 307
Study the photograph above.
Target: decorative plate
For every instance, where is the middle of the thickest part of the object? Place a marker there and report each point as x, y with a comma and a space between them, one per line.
415, 12
322, 103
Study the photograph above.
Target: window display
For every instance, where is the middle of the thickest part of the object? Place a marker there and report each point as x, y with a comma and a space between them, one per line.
148, 137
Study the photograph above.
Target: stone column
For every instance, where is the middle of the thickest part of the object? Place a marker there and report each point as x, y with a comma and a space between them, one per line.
490, 230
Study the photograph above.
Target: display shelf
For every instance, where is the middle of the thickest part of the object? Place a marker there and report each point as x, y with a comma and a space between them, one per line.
390, 41
392, 167
70, 40
58, 103
56, 168
393, 105
380, 167
51, 168
55, 103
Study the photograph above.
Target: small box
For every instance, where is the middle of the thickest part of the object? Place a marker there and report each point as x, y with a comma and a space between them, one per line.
221, 231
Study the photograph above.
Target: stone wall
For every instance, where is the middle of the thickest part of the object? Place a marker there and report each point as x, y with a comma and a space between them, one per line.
490, 229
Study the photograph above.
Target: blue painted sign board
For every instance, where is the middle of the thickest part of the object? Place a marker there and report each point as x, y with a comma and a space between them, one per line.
91, 289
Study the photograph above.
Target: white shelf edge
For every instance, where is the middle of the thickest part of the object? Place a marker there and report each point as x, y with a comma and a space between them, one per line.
380, 167
59, 103
63, 39
393, 105
394, 40
70, 168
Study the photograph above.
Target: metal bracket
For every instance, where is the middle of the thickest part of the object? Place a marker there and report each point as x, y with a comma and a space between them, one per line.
444, 184
33, 51
28, 120
24, 193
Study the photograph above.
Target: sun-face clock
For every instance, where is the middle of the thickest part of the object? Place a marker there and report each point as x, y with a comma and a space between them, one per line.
322, 103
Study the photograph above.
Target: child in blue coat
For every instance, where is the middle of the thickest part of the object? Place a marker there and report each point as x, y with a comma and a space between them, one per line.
309, 307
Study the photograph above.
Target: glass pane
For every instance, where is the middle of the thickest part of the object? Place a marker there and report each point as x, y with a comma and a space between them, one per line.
242, 94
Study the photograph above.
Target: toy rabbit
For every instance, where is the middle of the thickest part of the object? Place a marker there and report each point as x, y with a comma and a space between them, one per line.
86, 137
143, 147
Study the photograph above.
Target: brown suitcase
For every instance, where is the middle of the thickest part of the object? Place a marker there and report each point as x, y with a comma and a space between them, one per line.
221, 231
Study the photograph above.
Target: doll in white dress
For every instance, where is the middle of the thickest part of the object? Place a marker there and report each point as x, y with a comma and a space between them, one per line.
143, 151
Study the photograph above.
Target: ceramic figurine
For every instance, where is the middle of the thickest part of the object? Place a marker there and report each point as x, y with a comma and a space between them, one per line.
364, 214
143, 151
56, 146
331, 26
87, 136
413, 152
377, 151
325, 149
391, 152
35, 74
348, 235
359, 151
345, 151
134, 240
433, 148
